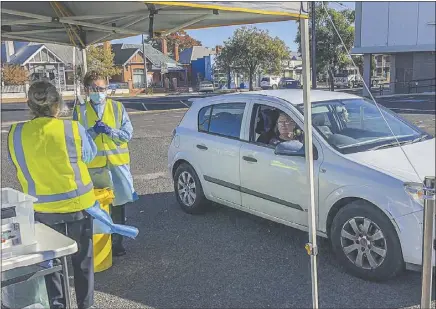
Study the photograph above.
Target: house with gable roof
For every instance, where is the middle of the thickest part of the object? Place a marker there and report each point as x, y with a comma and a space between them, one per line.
130, 58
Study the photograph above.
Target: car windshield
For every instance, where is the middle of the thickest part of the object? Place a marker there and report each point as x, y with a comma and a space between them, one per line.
356, 125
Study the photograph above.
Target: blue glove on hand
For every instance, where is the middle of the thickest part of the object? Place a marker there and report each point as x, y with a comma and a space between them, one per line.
101, 128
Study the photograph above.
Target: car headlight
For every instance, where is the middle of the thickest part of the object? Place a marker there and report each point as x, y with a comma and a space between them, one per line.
415, 191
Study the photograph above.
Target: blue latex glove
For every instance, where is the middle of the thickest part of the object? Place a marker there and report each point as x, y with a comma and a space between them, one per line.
101, 128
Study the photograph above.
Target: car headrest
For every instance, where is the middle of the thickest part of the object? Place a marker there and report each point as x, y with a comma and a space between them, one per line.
266, 121
318, 120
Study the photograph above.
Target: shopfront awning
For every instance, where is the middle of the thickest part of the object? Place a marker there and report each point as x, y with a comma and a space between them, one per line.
81, 23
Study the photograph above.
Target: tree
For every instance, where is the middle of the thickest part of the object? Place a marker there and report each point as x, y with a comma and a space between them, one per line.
14, 75
330, 53
252, 49
102, 60
181, 37
358, 60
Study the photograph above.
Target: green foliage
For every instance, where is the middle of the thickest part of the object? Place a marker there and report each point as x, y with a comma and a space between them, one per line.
101, 60
251, 49
330, 53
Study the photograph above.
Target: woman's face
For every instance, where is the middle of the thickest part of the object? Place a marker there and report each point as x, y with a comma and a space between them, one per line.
97, 91
285, 125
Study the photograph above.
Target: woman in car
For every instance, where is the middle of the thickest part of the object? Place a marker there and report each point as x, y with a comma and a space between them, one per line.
286, 130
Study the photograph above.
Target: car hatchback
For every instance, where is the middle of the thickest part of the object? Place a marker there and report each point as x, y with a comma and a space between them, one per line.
246, 151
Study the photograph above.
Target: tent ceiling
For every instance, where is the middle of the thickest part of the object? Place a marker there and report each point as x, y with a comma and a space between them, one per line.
96, 22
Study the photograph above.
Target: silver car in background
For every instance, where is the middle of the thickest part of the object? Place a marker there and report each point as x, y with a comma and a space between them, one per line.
206, 86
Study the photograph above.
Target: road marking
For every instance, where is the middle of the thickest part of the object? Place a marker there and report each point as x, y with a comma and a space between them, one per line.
5, 131
157, 111
143, 105
151, 176
9, 123
413, 110
184, 103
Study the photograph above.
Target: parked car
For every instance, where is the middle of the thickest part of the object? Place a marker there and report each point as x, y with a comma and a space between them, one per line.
368, 198
270, 82
206, 86
289, 83
347, 81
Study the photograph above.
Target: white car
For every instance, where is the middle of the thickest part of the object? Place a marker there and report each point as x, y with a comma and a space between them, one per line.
368, 198
270, 82
206, 86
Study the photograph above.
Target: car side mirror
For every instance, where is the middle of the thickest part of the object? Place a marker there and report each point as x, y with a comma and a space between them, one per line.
293, 149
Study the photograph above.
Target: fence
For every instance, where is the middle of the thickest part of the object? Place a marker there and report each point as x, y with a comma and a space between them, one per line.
413, 86
13, 88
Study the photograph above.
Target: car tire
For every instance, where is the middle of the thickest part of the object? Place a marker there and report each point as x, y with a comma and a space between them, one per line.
274, 87
192, 200
378, 239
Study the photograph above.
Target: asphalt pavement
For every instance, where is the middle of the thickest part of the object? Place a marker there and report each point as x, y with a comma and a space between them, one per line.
224, 258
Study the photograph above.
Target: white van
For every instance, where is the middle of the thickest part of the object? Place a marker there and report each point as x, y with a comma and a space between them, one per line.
270, 82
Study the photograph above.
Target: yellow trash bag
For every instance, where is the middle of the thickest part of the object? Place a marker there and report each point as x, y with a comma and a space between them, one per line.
103, 242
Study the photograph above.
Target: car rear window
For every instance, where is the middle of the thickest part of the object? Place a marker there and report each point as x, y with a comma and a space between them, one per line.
265, 79
222, 119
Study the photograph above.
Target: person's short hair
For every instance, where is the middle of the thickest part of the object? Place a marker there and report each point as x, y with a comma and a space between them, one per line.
44, 99
91, 77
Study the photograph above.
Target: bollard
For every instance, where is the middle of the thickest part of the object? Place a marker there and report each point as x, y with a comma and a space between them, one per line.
427, 241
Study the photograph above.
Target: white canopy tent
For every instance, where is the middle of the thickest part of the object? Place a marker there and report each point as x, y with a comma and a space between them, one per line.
81, 24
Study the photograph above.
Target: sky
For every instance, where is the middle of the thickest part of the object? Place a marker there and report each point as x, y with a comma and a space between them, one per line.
211, 37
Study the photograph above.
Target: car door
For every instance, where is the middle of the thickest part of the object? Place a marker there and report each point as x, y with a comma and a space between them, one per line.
217, 147
275, 185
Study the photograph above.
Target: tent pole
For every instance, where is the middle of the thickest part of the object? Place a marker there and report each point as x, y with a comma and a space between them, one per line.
311, 247
84, 61
145, 65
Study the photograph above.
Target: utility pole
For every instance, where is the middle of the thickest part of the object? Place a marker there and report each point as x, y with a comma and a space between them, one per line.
145, 64
313, 46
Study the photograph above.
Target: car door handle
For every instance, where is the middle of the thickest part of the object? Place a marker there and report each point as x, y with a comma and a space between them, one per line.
249, 159
202, 147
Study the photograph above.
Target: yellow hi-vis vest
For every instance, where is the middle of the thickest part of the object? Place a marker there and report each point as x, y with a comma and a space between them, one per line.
106, 148
47, 154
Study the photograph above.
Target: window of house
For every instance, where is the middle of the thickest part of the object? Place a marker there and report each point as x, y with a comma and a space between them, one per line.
51, 57
44, 56
222, 119
37, 57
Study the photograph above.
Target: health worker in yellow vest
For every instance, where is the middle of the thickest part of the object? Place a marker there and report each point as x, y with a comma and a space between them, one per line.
50, 157
108, 123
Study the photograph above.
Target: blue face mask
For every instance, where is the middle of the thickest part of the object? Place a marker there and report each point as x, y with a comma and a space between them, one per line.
98, 97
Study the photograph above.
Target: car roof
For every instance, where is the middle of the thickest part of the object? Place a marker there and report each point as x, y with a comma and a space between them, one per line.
294, 96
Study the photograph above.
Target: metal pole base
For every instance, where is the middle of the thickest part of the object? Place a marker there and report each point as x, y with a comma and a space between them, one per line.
428, 242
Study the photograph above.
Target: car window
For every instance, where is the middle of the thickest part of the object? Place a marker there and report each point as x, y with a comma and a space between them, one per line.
265, 79
354, 125
203, 118
222, 119
264, 129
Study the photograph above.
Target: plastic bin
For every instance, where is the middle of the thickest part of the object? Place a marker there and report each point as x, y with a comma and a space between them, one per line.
17, 223
103, 242
28, 294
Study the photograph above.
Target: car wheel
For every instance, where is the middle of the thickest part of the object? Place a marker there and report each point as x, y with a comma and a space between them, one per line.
366, 243
274, 87
188, 189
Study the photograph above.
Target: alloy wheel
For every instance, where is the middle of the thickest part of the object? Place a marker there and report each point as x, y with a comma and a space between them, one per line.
186, 188
363, 242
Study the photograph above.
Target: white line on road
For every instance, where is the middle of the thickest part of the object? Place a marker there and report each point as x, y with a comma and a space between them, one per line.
151, 176
184, 103
143, 105
5, 131
412, 109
